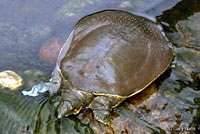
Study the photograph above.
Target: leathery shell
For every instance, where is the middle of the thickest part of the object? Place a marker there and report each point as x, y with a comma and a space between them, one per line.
115, 53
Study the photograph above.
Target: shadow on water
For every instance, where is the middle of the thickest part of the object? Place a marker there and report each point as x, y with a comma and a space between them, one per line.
172, 103
181, 11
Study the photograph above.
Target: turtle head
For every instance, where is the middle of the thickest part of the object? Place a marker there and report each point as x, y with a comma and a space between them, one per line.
41, 88
72, 101
38, 89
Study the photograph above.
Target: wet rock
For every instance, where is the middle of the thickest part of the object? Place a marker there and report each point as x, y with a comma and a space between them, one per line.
11, 80
187, 53
50, 50
187, 64
189, 31
188, 34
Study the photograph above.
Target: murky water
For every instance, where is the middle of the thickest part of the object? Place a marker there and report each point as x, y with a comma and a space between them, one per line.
29, 28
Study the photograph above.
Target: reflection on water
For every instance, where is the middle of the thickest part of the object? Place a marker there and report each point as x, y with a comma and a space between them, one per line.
27, 26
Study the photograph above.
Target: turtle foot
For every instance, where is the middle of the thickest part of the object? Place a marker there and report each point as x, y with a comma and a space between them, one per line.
101, 107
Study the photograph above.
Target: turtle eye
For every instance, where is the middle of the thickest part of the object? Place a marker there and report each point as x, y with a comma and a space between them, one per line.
81, 72
69, 66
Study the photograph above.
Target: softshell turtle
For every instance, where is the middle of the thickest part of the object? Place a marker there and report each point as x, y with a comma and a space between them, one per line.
109, 56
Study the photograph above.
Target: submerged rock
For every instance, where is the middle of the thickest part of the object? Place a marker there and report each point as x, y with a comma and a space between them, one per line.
11, 80
189, 31
34, 76
50, 50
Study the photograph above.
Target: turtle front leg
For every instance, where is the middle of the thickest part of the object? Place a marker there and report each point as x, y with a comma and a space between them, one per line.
102, 106
72, 101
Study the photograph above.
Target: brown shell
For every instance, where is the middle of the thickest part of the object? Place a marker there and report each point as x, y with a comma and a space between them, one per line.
115, 52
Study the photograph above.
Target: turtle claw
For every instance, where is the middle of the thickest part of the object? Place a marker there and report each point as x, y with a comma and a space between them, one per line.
65, 109
102, 116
